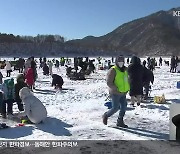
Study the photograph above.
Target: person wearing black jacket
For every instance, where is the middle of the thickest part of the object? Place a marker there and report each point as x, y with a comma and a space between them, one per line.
173, 64
160, 61
45, 69
18, 86
34, 66
147, 79
57, 81
135, 73
176, 122
1, 77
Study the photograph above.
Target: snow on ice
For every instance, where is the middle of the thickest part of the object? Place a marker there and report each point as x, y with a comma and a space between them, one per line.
76, 112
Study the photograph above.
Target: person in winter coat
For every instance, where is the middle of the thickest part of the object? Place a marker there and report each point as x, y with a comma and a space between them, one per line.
18, 86
45, 69
160, 61
117, 82
57, 65
176, 122
27, 65
2, 103
91, 66
57, 81
50, 64
128, 60
178, 67
148, 77
62, 61
40, 60
173, 64
176, 62
8, 68
34, 66
29, 78
8, 93
34, 108
136, 74
20, 64
1, 76
151, 65
144, 63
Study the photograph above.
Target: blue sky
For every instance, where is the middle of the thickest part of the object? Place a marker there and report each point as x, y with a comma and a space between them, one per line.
74, 18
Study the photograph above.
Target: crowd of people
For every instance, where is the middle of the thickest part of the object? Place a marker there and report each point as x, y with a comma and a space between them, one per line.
80, 69
21, 91
134, 79
175, 64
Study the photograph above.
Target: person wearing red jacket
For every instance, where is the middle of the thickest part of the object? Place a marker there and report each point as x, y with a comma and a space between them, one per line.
29, 78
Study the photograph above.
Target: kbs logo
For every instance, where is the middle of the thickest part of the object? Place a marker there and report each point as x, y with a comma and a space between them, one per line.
176, 13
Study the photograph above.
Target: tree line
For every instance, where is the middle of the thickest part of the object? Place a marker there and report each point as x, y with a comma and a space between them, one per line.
10, 38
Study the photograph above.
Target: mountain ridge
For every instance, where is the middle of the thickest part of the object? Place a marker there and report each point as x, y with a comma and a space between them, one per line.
155, 34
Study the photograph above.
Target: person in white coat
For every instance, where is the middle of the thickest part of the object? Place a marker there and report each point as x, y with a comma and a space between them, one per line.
27, 65
8, 68
34, 109
178, 67
50, 67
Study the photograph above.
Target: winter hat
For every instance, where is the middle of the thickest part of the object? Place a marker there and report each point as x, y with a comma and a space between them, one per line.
6, 81
25, 92
135, 60
120, 59
11, 82
20, 77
